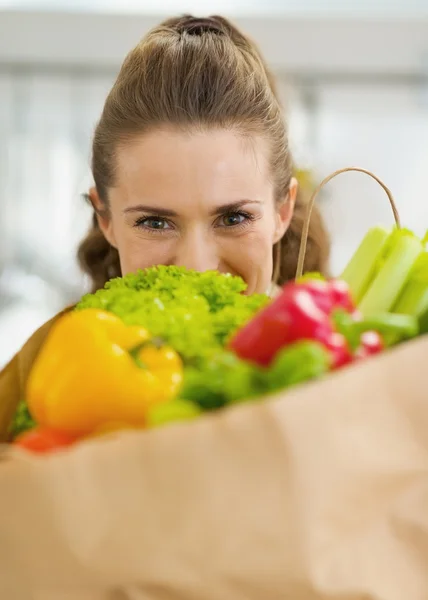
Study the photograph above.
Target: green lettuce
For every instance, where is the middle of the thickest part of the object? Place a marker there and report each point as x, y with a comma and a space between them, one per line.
194, 312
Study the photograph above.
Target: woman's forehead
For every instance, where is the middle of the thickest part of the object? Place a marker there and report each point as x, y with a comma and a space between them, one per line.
209, 163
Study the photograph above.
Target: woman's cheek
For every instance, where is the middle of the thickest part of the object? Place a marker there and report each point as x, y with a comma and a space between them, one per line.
250, 257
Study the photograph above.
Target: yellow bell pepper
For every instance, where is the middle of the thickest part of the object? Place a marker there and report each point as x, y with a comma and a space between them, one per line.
94, 371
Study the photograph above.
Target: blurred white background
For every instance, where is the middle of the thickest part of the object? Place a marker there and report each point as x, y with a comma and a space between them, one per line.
354, 77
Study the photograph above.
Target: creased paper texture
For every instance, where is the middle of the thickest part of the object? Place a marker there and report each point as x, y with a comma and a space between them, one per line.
321, 493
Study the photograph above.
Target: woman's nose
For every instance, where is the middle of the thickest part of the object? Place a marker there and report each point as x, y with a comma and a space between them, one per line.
197, 251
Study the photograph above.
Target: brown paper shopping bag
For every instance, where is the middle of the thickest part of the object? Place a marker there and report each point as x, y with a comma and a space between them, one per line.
321, 493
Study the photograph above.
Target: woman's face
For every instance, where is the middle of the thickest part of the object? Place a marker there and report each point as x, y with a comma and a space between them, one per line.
203, 200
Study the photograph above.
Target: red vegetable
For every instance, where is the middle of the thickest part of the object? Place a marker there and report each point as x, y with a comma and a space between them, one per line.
341, 295
371, 343
301, 312
341, 354
328, 295
44, 439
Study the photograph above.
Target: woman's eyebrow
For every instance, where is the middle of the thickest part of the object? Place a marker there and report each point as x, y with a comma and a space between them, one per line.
166, 212
153, 210
232, 206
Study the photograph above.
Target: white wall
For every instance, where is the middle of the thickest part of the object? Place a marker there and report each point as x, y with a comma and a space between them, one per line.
329, 8
291, 43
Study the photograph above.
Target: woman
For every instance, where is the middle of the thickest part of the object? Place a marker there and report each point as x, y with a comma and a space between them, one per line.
191, 167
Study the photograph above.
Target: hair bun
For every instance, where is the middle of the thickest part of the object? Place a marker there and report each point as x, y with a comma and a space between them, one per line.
199, 26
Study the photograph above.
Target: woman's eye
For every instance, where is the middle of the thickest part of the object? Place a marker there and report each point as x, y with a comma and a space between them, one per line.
154, 223
233, 219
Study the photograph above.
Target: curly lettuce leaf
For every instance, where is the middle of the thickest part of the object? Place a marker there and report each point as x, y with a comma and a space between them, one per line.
194, 312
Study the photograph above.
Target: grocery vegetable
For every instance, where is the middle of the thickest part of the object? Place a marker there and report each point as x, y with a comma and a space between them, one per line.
220, 380
194, 312
391, 278
339, 349
172, 411
329, 295
301, 312
227, 379
363, 265
93, 370
380, 268
161, 360
22, 420
392, 327
44, 439
423, 322
371, 343
167, 344
414, 297
323, 311
297, 364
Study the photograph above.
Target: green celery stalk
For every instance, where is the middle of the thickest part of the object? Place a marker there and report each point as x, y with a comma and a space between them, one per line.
403, 250
423, 323
361, 269
414, 298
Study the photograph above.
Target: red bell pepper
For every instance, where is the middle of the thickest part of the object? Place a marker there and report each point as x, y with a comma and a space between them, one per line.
301, 312
328, 295
341, 296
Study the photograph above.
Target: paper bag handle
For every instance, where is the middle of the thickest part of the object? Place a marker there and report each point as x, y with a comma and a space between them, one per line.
305, 231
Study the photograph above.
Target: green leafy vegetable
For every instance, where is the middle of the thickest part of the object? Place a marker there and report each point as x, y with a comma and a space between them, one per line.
227, 379
194, 312
221, 379
297, 364
172, 411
